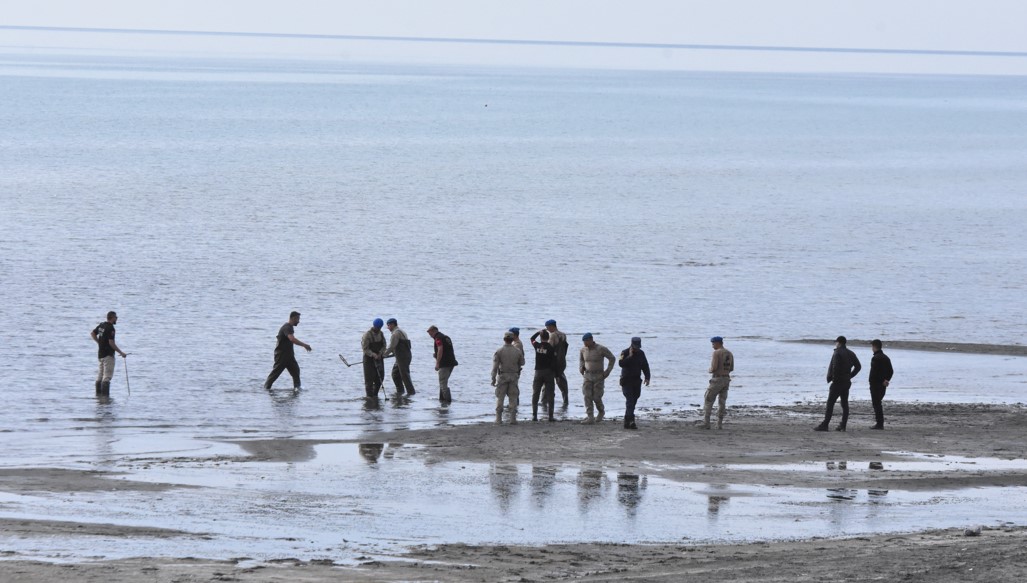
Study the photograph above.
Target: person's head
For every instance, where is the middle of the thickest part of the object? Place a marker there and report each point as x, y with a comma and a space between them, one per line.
391, 323
516, 332
587, 339
636, 342
112, 317
508, 337
717, 342
551, 325
378, 323
875, 345
294, 318
840, 342
432, 331
544, 336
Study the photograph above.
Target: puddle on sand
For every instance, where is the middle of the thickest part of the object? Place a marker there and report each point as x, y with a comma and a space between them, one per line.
355, 499
909, 462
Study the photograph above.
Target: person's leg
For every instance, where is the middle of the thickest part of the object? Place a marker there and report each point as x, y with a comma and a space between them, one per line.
722, 407
597, 395
444, 374
404, 372
536, 389
397, 378
708, 399
844, 396
107, 364
294, 369
500, 395
631, 395
513, 395
370, 391
99, 375
550, 394
278, 369
586, 390
561, 381
832, 396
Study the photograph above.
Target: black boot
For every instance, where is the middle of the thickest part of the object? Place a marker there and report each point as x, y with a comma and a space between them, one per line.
97, 387
821, 427
105, 388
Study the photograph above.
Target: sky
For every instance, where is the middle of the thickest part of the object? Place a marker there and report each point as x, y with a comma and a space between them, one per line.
958, 36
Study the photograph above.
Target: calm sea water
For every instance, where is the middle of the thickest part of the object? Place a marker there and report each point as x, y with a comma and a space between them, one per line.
204, 199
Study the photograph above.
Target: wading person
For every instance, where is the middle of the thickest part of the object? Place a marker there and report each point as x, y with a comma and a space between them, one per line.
559, 342
506, 370
590, 365
285, 358
445, 361
880, 377
372, 344
103, 336
844, 366
399, 346
720, 379
634, 366
544, 383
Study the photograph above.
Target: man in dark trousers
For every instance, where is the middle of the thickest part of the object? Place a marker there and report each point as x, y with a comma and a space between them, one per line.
545, 373
372, 345
399, 346
634, 365
445, 361
558, 340
285, 358
880, 377
103, 335
844, 366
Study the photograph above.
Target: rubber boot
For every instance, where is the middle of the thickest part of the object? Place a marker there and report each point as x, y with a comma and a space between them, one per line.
821, 427
105, 388
588, 420
97, 387
841, 427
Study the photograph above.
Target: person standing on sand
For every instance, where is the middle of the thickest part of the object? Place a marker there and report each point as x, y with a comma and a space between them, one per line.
559, 342
545, 374
721, 366
843, 368
399, 346
372, 344
103, 336
445, 361
634, 365
506, 370
285, 358
590, 365
880, 377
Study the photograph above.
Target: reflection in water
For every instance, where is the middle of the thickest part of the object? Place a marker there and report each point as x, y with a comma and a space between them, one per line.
715, 501
590, 486
105, 419
841, 494
629, 491
839, 465
371, 451
505, 484
876, 466
542, 480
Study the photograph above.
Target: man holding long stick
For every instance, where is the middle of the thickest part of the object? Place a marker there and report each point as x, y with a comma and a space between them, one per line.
103, 335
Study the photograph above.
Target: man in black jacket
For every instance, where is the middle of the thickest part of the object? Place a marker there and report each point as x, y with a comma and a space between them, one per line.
445, 361
544, 383
634, 365
880, 377
844, 366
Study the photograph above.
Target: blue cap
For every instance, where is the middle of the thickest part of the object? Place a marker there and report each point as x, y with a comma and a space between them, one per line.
550, 322
586, 336
391, 321
717, 339
515, 330
377, 323
636, 341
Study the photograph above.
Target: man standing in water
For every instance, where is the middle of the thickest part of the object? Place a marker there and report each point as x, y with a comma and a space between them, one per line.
844, 366
399, 346
559, 342
103, 336
544, 383
590, 365
372, 344
634, 365
880, 377
506, 370
721, 366
285, 358
445, 361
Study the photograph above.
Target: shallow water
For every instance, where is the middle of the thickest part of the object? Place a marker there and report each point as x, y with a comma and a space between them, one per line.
355, 499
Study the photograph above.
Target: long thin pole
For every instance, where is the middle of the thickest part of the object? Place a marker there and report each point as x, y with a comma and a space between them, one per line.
127, 385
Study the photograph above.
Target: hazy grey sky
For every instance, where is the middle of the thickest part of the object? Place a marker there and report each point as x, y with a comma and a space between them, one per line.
934, 25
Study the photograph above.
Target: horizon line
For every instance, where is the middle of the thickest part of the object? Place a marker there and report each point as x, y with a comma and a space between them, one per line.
466, 40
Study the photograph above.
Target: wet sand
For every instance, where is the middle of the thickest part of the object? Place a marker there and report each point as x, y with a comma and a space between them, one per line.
756, 446
955, 347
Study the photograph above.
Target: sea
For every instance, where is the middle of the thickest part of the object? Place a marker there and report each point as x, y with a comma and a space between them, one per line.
204, 198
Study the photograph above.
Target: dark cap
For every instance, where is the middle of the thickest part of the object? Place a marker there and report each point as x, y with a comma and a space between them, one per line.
840, 340
636, 341
516, 331
717, 339
550, 322
586, 336
391, 321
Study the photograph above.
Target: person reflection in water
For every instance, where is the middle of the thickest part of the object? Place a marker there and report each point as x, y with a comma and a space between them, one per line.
505, 483
542, 480
629, 491
590, 483
371, 451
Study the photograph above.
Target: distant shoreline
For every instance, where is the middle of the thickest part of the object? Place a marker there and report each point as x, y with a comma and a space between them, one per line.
961, 347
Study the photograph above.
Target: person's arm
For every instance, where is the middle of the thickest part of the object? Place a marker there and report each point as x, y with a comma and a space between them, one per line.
440, 349
533, 337
298, 342
856, 366
830, 367
520, 361
581, 362
365, 344
888, 371
611, 358
495, 367
713, 362
645, 368
92, 334
116, 349
393, 342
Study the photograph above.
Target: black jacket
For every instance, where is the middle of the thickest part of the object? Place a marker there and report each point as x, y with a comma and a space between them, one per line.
632, 367
844, 365
880, 369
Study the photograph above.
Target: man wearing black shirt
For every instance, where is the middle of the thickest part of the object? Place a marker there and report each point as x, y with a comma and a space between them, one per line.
285, 358
844, 366
880, 377
634, 365
545, 374
103, 335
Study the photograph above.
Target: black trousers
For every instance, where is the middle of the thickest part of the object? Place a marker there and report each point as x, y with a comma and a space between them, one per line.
374, 372
876, 396
544, 384
632, 390
282, 364
561, 381
839, 390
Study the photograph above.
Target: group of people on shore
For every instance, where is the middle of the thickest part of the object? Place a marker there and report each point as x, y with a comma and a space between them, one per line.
550, 346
